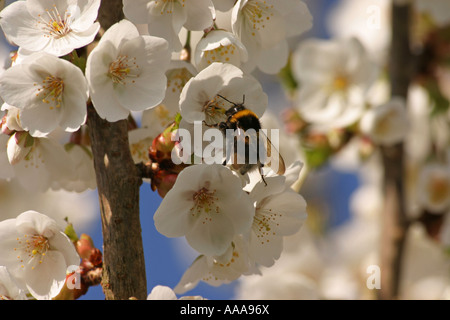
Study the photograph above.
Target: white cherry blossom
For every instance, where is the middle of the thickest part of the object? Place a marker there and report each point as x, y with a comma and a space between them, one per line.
36, 162
279, 212
54, 26
82, 166
126, 72
50, 92
200, 100
219, 46
166, 18
11, 119
433, 190
264, 26
334, 77
207, 206
386, 124
36, 253
218, 270
19, 146
178, 74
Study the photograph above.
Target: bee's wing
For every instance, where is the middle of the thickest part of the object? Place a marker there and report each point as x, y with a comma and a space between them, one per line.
246, 146
242, 147
273, 158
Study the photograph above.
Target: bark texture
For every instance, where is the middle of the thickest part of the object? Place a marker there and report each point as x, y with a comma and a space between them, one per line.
118, 185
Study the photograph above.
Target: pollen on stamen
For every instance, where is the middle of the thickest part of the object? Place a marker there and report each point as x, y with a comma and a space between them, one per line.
54, 24
122, 68
204, 201
35, 246
51, 91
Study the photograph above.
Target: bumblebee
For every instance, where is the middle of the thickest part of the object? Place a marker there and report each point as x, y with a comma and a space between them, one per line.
247, 134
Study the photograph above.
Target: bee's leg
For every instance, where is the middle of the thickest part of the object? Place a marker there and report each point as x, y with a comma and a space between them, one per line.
210, 125
262, 175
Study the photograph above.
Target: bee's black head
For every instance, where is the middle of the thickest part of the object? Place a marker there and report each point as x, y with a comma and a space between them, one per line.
236, 108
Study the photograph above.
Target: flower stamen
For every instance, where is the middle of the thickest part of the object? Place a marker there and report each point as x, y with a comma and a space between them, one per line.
263, 222
51, 90
220, 54
204, 201
340, 83
257, 13
167, 6
122, 68
55, 25
214, 110
31, 248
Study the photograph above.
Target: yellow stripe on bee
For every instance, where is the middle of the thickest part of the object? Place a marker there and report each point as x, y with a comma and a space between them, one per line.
242, 114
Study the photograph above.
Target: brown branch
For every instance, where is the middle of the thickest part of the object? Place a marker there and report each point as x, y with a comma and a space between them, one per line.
395, 222
109, 13
118, 189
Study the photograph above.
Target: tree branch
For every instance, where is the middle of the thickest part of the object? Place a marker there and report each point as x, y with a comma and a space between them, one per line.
118, 189
395, 222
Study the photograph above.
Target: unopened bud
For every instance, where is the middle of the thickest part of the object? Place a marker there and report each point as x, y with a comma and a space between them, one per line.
12, 119
161, 148
19, 146
167, 182
84, 246
4, 127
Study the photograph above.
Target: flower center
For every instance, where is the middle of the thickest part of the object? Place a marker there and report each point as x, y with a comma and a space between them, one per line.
123, 68
177, 78
383, 126
51, 91
31, 249
340, 83
204, 201
262, 223
220, 54
257, 13
166, 6
214, 110
53, 24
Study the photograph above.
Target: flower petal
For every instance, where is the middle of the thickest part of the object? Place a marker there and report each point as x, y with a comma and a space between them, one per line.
120, 32
84, 13
272, 60
20, 27
16, 86
134, 10
46, 280
40, 121
167, 26
211, 233
199, 14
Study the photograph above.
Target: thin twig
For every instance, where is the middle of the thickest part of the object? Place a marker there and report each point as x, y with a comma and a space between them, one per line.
395, 222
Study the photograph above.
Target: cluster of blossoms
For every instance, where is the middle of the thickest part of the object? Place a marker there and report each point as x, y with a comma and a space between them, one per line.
344, 114
235, 222
343, 105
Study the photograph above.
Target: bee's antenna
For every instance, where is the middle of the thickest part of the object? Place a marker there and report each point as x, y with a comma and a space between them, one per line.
243, 99
234, 104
